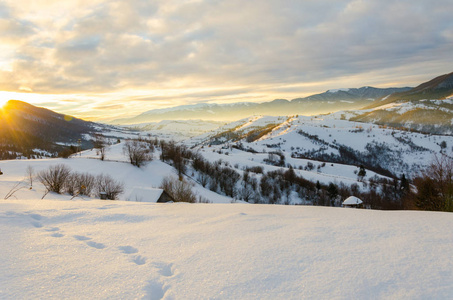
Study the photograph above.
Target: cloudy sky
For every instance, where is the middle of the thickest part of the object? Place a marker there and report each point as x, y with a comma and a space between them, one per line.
99, 59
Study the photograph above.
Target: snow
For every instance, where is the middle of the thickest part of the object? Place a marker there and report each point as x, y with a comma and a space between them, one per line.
134, 248
141, 194
414, 155
135, 180
56, 249
338, 90
352, 200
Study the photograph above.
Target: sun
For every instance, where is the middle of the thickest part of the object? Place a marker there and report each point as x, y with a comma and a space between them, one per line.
3, 101
4, 98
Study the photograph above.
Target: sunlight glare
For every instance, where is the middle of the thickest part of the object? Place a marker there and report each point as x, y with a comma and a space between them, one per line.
3, 100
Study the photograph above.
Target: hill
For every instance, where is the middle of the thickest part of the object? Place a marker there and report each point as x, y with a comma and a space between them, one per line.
329, 138
438, 88
24, 127
427, 116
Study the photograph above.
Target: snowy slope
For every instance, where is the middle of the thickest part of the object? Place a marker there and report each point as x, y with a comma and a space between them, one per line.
55, 249
324, 135
116, 165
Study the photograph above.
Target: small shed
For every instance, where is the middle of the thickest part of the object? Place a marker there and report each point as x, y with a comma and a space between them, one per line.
353, 202
140, 194
165, 197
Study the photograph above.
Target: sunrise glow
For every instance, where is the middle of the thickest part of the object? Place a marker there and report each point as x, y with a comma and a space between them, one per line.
102, 59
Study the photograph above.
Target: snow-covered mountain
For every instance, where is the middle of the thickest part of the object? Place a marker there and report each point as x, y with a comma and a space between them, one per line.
438, 88
366, 93
428, 116
330, 101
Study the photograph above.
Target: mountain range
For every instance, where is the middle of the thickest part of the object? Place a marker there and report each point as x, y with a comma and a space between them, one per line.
327, 102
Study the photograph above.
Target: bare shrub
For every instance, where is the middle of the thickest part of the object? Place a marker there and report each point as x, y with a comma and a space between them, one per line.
16, 187
86, 184
30, 174
179, 190
106, 184
70, 185
54, 178
137, 151
80, 184
202, 199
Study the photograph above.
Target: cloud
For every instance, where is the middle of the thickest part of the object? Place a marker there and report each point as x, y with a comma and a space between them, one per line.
108, 47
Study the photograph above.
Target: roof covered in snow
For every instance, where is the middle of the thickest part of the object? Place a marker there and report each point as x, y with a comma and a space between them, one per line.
143, 194
352, 201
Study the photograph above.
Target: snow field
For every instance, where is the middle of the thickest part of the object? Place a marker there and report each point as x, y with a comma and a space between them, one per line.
97, 249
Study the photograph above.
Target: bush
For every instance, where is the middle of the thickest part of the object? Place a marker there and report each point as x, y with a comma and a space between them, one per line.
59, 179
55, 178
179, 190
80, 184
109, 186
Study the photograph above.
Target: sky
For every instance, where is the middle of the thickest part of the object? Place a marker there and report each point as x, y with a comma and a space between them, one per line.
99, 59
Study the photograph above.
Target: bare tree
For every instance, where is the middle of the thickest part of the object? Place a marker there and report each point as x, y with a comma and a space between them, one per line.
436, 185
137, 152
203, 178
30, 174
109, 186
179, 190
246, 193
100, 144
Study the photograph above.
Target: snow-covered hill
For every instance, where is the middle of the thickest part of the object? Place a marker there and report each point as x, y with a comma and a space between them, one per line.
57, 249
328, 138
148, 177
429, 116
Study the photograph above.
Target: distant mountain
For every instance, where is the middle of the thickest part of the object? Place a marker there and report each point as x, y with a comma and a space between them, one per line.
330, 101
426, 108
427, 116
24, 127
365, 93
438, 88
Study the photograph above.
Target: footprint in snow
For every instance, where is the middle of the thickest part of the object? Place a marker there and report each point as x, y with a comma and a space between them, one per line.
128, 249
165, 269
96, 245
36, 224
52, 229
139, 260
81, 238
57, 234
36, 216
155, 290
